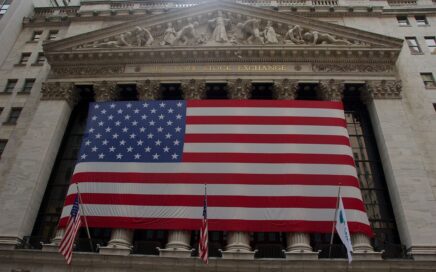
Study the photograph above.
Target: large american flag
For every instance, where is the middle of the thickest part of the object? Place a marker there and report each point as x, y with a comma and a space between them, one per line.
270, 166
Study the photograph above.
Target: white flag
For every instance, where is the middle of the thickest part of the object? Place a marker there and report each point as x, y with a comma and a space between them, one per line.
342, 229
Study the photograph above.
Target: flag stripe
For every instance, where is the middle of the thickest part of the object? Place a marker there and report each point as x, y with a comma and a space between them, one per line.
264, 104
191, 178
219, 225
215, 189
268, 158
217, 201
266, 138
265, 120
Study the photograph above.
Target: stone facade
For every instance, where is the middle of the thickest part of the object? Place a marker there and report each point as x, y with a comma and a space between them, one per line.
327, 44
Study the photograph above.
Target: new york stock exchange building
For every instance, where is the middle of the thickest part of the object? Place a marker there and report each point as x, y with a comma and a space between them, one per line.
312, 71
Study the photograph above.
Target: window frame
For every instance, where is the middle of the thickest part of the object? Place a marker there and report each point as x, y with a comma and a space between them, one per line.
25, 88
50, 34
403, 20
3, 143
14, 115
40, 59
413, 47
421, 22
431, 48
8, 88
24, 59
428, 83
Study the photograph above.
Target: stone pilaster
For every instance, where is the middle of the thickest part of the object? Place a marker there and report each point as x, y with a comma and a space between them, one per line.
299, 247
285, 89
105, 91
238, 246
193, 89
148, 90
33, 164
239, 88
381, 89
178, 244
331, 90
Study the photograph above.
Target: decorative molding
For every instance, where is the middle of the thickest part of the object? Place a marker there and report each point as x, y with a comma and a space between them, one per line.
193, 89
352, 68
285, 89
148, 89
239, 88
59, 91
382, 89
105, 91
331, 90
87, 70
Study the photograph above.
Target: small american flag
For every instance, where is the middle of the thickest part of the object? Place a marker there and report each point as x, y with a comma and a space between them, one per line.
203, 245
73, 225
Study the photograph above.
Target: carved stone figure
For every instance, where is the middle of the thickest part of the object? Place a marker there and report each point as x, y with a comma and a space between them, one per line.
270, 34
249, 31
142, 37
294, 35
169, 35
137, 37
187, 35
315, 37
219, 24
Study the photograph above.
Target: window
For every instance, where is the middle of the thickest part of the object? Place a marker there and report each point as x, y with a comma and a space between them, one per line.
421, 20
1, 110
403, 21
52, 35
10, 85
28, 85
13, 116
24, 58
413, 45
2, 146
40, 59
262, 91
4, 5
431, 44
434, 106
428, 80
171, 91
36, 36
216, 91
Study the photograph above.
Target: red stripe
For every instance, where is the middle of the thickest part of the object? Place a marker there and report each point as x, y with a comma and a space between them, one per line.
218, 201
267, 138
268, 158
190, 178
219, 225
265, 120
265, 104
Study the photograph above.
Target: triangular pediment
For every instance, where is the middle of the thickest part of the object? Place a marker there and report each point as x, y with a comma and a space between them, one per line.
224, 26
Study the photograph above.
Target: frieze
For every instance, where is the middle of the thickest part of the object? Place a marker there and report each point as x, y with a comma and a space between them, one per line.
382, 89
87, 70
352, 68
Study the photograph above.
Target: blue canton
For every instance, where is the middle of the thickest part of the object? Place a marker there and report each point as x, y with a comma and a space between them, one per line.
134, 131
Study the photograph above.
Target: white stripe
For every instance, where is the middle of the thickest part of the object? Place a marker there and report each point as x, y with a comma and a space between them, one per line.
267, 148
215, 189
241, 168
235, 111
267, 129
220, 213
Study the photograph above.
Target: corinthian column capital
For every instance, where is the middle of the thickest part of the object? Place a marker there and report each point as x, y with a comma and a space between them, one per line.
382, 89
239, 88
59, 91
105, 91
285, 89
331, 90
148, 89
193, 89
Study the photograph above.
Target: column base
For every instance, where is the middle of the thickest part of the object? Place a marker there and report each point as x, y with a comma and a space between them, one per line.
175, 252
367, 256
422, 253
52, 247
115, 250
9, 242
237, 254
301, 255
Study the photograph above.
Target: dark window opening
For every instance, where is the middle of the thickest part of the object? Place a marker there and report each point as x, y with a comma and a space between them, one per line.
28, 85
10, 85
262, 91
2, 146
52, 35
127, 92
217, 241
421, 20
24, 58
40, 59
269, 244
403, 20
216, 91
414, 47
171, 91
307, 91
147, 241
36, 36
13, 116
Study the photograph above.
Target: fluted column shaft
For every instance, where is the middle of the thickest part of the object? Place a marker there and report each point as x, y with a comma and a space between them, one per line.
298, 242
238, 241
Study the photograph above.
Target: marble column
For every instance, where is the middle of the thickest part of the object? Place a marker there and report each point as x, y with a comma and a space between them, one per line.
298, 247
32, 165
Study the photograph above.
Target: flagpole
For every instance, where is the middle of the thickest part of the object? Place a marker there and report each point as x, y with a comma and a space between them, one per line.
334, 221
84, 217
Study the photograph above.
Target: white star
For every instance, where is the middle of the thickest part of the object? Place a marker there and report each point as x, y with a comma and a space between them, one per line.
88, 142
166, 149
119, 156
145, 105
158, 142
117, 123
147, 149
101, 123
176, 142
174, 156
179, 104
168, 136
96, 106
159, 129
136, 111
83, 156
129, 105
129, 149
162, 104
127, 117
178, 117
120, 111
103, 111
140, 142
94, 118
112, 106
112, 149
161, 117
108, 129
150, 136
178, 129
91, 130
151, 123
132, 136
142, 129
94, 149
98, 136
144, 117
137, 156
125, 129
101, 156
170, 110
122, 142
110, 117
156, 156
169, 123
105, 142
153, 111
115, 136
134, 123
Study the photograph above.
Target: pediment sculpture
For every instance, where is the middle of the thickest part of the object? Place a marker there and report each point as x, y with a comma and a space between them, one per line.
221, 28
